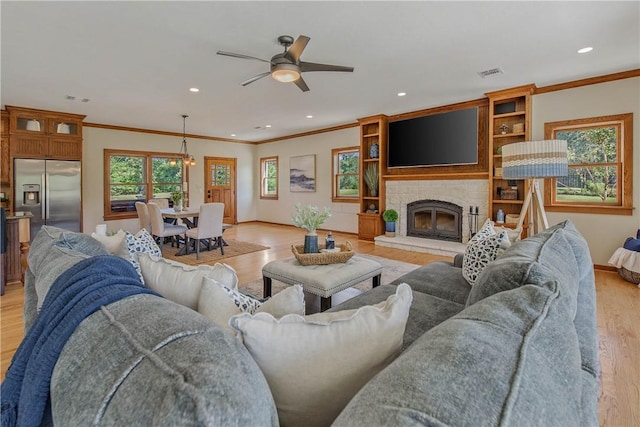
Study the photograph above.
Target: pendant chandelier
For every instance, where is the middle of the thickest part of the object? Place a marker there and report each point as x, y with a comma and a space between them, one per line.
188, 159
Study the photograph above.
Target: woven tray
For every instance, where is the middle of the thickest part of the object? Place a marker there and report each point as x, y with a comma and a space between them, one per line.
346, 252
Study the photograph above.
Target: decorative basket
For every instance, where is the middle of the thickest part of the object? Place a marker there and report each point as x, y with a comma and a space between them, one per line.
321, 258
512, 218
629, 276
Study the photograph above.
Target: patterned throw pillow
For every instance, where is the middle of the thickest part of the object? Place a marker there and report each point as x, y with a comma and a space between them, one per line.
483, 248
142, 241
219, 303
244, 302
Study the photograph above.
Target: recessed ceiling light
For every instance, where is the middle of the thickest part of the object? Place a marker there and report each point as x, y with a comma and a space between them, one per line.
309, 116
267, 126
233, 134
585, 49
402, 93
194, 89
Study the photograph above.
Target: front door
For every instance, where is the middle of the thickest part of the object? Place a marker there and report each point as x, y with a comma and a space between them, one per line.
220, 185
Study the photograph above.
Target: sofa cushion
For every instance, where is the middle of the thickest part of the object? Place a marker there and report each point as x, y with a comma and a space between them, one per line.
145, 360
440, 279
549, 255
510, 359
426, 310
219, 303
315, 364
53, 251
179, 282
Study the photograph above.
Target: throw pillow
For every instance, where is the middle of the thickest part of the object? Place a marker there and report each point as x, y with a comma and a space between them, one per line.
483, 248
115, 244
316, 364
179, 282
219, 303
141, 242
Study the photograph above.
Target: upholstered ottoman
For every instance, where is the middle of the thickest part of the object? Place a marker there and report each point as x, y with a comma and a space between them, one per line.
321, 280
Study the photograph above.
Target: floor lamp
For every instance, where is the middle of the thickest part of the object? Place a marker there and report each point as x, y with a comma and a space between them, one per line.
532, 160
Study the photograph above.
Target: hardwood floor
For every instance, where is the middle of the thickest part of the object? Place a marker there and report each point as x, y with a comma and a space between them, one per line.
618, 310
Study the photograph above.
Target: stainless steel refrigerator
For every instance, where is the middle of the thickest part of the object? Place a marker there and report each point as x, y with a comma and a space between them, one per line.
50, 190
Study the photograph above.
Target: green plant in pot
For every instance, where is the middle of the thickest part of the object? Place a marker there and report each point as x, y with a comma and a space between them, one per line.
371, 178
176, 197
310, 218
390, 216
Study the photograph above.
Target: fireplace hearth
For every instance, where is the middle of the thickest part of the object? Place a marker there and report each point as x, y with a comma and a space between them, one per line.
434, 219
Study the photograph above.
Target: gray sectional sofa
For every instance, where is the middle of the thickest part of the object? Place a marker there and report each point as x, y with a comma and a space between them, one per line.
519, 348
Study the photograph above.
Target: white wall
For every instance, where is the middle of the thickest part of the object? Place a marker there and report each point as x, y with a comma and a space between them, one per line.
604, 233
97, 139
343, 215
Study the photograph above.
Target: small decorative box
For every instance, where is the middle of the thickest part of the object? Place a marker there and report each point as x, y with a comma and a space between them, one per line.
509, 194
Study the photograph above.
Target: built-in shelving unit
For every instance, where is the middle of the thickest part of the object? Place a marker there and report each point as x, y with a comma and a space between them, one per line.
509, 122
373, 130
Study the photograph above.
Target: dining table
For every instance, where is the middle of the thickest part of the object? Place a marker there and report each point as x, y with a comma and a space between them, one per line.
189, 216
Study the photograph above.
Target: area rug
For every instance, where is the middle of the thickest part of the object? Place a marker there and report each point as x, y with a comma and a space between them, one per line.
392, 269
235, 248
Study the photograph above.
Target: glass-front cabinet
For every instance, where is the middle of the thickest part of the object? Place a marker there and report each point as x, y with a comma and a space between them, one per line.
45, 134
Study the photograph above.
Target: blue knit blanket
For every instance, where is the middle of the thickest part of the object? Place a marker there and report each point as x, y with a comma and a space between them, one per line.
75, 294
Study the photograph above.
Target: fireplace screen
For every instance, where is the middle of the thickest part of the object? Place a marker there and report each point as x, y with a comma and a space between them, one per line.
434, 219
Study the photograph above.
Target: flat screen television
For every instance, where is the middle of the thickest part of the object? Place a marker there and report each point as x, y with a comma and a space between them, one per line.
442, 139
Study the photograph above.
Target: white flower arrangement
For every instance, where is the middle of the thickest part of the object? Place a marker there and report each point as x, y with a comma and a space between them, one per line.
310, 217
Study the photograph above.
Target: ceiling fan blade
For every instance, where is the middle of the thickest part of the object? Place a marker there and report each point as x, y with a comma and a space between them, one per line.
254, 78
301, 84
239, 55
310, 66
297, 47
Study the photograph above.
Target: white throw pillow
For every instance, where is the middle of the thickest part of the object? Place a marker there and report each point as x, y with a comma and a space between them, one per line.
115, 244
316, 364
141, 242
179, 282
483, 248
219, 303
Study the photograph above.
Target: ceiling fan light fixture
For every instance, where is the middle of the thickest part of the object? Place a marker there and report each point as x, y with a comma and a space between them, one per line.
285, 73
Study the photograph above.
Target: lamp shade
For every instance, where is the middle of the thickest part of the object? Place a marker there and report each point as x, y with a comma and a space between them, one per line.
535, 159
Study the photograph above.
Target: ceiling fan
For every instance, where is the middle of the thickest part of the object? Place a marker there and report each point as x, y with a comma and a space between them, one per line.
286, 66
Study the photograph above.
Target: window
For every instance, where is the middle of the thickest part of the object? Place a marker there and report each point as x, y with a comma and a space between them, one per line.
269, 178
600, 151
345, 171
132, 176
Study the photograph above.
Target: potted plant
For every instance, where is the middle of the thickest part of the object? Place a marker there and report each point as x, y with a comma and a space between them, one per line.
310, 218
371, 178
176, 197
390, 216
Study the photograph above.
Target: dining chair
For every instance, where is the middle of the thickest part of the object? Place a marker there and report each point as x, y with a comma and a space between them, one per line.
209, 227
143, 215
161, 229
162, 203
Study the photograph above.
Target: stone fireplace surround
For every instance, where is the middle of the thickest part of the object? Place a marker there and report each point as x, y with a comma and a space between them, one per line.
462, 192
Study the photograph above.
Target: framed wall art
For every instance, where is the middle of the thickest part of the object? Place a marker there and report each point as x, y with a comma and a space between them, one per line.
302, 173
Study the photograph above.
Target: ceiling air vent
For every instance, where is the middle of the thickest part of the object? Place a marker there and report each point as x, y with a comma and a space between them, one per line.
491, 72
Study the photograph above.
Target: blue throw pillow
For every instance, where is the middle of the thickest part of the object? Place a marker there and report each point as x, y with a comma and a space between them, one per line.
632, 244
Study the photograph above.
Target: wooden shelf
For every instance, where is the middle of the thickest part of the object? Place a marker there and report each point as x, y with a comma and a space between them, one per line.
509, 135
507, 115
372, 130
508, 202
518, 100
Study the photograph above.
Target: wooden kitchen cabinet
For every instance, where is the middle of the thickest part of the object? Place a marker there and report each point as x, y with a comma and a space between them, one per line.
45, 134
